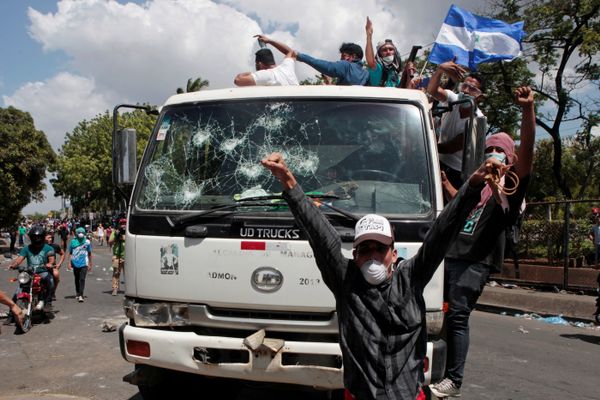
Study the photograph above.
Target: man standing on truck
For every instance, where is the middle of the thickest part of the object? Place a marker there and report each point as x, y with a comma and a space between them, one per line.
479, 249
379, 297
454, 123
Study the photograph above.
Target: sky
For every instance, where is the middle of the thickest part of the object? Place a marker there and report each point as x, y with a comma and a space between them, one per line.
69, 60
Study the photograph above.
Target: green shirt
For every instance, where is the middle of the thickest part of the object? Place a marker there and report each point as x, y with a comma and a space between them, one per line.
118, 247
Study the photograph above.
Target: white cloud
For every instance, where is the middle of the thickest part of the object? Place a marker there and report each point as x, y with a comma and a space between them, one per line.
126, 52
59, 103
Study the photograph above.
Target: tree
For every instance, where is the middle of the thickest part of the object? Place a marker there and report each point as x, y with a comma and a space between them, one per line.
563, 40
25, 155
84, 164
194, 86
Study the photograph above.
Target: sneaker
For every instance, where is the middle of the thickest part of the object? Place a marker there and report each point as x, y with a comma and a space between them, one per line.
445, 388
80, 299
115, 292
40, 305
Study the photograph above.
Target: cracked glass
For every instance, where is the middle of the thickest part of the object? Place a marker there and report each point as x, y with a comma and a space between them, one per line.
371, 155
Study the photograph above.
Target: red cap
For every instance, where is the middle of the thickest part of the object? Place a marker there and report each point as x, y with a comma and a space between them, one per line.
123, 221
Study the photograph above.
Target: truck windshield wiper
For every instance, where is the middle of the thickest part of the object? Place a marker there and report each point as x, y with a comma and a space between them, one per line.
312, 195
254, 201
176, 222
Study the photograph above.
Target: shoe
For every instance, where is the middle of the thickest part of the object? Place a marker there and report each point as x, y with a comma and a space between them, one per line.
445, 388
115, 292
40, 305
53, 297
80, 299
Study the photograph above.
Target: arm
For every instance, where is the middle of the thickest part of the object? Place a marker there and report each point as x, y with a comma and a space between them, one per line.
446, 227
524, 163
453, 145
449, 190
17, 262
15, 309
369, 54
244, 79
50, 263
335, 69
284, 48
322, 236
89, 267
453, 70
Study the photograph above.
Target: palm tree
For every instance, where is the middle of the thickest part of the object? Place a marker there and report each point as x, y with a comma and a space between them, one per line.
194, 86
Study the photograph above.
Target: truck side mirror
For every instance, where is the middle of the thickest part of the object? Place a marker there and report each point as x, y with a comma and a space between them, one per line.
124, 156
474, 146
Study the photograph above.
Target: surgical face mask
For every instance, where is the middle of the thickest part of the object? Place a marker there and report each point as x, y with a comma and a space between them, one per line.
388, 59
498, 156
80, 235
374, 272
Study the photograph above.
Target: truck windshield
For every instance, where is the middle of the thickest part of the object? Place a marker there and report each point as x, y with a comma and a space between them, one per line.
369, 156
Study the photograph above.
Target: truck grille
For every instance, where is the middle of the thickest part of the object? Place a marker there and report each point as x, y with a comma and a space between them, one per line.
270, 315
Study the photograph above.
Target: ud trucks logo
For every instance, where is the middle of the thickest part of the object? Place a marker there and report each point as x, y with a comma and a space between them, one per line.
266, 279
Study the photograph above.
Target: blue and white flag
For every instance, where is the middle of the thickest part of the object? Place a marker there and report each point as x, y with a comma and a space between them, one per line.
474, 40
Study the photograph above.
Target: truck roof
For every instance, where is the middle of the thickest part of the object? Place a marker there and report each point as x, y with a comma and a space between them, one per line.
308, 91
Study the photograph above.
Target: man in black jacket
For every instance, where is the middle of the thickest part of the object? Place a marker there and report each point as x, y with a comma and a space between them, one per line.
379, 298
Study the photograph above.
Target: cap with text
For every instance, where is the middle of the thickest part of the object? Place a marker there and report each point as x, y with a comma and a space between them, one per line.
373, 227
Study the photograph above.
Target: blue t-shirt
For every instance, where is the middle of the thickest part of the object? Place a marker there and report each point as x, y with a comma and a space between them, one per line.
39, 259
79, 253
375, 76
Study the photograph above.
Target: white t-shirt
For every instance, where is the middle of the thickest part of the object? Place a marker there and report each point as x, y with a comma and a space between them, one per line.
282, 75
453, 125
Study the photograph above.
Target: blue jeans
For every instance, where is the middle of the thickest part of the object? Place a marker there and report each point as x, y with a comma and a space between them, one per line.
464, 282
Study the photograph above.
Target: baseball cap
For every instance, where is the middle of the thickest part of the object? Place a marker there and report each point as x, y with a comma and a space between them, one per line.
373, 227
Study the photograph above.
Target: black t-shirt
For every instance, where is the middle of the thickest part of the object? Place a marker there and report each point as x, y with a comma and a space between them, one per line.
482, 238
57, 252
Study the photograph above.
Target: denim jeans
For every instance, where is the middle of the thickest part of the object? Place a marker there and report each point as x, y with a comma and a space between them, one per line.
79, 274
464, 282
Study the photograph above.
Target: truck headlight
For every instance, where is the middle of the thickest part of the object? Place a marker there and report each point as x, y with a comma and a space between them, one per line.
158, 314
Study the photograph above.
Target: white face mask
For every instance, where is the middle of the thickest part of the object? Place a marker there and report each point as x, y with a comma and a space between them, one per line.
80, 235
374, 272
498, 156
388, 59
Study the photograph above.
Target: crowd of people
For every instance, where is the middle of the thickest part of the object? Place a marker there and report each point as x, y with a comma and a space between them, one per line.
38, 248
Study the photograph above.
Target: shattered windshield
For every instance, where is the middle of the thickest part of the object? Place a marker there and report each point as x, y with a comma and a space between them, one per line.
371, 155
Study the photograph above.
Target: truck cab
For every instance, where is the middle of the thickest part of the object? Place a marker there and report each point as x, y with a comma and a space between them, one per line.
220, 281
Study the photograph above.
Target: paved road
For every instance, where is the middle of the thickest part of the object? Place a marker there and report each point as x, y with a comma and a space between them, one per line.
71, 355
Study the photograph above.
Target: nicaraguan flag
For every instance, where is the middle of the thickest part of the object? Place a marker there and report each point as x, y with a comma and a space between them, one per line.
474, 40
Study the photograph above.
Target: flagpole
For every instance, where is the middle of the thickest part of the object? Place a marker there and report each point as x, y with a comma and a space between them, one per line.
423, 69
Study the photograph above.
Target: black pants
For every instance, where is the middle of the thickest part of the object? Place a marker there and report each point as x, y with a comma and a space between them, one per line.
79, 274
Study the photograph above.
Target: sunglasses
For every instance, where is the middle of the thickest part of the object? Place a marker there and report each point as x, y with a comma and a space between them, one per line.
470, 89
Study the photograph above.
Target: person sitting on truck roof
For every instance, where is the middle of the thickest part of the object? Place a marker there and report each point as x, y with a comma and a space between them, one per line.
479, 248
267, 72
379, 296
348, 70
454, 123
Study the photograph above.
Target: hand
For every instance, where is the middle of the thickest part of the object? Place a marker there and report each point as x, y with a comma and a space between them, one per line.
18, 314
69, 268
262, 38
89, 268
453, 70
524, 96
369, 27
489, 166
275, 163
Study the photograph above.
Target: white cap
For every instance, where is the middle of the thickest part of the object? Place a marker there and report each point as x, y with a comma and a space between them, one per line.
373, 227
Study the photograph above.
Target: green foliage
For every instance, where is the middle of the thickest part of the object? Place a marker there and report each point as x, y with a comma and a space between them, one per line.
194, 85
545, 239
84, 165
25, 155
561, 46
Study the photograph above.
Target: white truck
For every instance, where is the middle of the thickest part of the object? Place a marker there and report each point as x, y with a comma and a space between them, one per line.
220, 281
